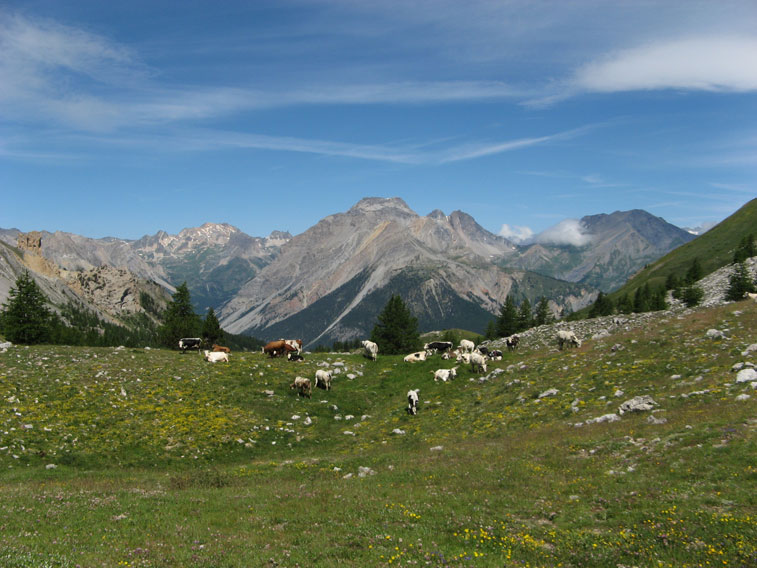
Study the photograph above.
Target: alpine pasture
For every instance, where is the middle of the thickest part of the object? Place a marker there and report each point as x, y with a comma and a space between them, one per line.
152, 458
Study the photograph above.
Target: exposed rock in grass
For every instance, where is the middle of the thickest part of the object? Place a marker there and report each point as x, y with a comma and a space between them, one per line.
714, 334
398, 432
746, 376
637, 404
604, 418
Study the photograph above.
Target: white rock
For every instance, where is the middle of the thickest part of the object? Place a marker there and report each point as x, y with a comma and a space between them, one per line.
51, 466
550, 392
604, 418
398, 432
637, 404
308, 421
743, 397
365, 471
437, 448
746, 376
714, 334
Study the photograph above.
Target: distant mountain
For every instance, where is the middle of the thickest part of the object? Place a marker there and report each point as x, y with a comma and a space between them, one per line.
714, 249
617, 246
215, 259
330, 282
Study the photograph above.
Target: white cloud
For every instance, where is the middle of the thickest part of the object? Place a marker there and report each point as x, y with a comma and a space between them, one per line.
699, 63
516, 233
567, 232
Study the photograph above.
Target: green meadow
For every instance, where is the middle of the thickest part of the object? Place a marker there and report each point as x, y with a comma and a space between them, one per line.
151, 458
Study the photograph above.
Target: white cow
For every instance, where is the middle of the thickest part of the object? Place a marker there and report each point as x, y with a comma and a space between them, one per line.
302, 384
412, 402
216, 356
478, 362
323, 379
466, 346
751, 296
445, 375
417, 356
371, 350
568, 337
463, 358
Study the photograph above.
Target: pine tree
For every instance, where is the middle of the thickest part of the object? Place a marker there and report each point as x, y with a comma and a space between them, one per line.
542, 315
739, 283
525, 318
603, 306
746, 249
211, 329
507, 322
692, 295
397, 329
491, 330
180, 318
25, 318
695, 272
625, 304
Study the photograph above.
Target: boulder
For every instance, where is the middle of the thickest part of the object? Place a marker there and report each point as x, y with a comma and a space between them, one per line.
637, 404
746, 376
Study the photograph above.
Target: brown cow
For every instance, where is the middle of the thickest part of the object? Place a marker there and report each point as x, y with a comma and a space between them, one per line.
221, 348
277, 348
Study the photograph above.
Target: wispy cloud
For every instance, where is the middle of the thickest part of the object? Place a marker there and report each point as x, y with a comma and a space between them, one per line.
567, 232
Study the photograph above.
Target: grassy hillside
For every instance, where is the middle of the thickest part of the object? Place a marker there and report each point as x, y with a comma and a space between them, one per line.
164, 460
714, 249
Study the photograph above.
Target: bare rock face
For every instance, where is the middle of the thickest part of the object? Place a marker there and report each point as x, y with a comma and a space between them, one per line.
31, 241
113, 290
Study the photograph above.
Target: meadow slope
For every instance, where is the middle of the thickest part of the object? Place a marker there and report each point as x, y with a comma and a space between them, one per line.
151, 458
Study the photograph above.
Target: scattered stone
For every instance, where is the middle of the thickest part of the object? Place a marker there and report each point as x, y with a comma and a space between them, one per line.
308, 421
365, 471
751, 349
550, 392
654, 420
437, 448
295, 417
398, 432
714, 334
604, 418
743, 397
51, 466
637, 404
746, 376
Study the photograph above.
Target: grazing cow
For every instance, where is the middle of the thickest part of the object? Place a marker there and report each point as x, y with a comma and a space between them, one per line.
466, 346
221, 348
370, 350
412, 402
215, 357
512, 342
323, 379
567, 337
302, 385
483, 349
444, 375
417, 356
292, 356
463, 358
438, 346
295, 343
277, 348
478, 362
190, 343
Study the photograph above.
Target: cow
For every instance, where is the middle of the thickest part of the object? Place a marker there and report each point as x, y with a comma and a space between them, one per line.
412, 402
323, 379
466, 346
216, 357
190, 343
478, 362
495, 355
221, 348
370, 350
567, 337
417, 356
277, 348
483, 349
512, 342
292, 356
750, 296
296, 343
438, 346
444, 375
303, 386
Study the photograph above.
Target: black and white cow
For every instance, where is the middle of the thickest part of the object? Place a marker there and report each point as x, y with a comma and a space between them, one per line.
190, 343
438, 346
412, 402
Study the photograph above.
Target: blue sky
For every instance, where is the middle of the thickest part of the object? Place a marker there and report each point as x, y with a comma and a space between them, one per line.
125, 118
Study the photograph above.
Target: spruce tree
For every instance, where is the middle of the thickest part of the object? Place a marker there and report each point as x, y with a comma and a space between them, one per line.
507, 322
211, 328
746, 249
603, 306
695, 272
25, 318
542, 315
525, 318
491, 330
396, 330
739, 283
180, 318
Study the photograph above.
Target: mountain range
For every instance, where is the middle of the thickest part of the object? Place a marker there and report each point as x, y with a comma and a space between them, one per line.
331, 281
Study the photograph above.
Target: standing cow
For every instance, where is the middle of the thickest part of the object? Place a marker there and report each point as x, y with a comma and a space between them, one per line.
370, 350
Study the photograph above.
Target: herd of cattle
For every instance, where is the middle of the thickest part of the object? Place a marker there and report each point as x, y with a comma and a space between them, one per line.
467, 352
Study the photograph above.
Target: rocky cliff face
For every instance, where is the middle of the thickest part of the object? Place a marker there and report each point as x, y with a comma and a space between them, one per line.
349, 260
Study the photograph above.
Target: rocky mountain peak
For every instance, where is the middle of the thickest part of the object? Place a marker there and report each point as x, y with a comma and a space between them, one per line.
437, 214
393, 205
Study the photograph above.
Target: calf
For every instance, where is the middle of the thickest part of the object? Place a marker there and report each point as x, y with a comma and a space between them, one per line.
412, 402
444, 375
323, 379
215, 357
221, 348
302, 385
295, 357
417, 356
495, 355
478, 362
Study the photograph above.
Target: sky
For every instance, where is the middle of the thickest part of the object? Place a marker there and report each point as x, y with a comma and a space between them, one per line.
125, 118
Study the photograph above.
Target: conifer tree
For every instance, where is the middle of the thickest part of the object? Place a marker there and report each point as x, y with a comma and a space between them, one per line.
180, 318
739, 283
396, 330
746, 249
625, 304
542, 315
491, 330
507, 322
525, 318
695, 272
25, 318
211, 328
603, 306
